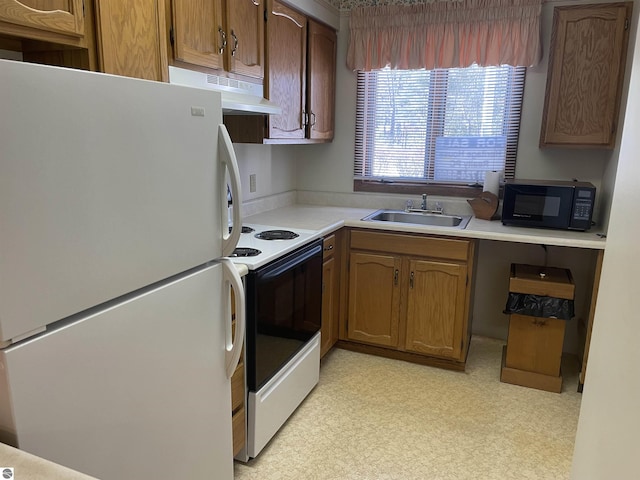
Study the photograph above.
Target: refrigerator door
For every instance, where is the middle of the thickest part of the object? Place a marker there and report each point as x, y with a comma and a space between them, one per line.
136, 391
107, 184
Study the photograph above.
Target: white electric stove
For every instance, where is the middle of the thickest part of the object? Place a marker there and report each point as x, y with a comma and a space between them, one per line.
286, 240
283, 292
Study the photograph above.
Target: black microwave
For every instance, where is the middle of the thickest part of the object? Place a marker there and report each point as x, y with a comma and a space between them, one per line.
548, 204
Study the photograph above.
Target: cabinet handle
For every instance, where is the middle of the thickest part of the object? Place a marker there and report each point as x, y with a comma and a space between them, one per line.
395, 277
330, 247
313, 119
223, 39
411, 280
304, 118
235, 44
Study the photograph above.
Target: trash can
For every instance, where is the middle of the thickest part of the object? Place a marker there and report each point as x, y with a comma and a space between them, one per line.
539, 304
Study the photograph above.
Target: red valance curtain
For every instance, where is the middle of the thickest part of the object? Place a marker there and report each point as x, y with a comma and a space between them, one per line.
445, 34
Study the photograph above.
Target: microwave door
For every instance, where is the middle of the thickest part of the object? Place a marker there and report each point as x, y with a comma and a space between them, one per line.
543, 206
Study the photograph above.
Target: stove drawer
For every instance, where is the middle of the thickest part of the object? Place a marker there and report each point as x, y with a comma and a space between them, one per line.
272, 405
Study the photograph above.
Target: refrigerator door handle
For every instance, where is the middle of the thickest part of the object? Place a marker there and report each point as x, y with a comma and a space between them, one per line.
228, 158
233, 346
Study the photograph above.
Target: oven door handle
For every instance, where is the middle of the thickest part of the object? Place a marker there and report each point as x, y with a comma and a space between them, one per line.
233, 346
292, 263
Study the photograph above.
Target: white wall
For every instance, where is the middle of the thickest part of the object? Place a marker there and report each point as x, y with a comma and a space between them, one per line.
274, 170
607, 444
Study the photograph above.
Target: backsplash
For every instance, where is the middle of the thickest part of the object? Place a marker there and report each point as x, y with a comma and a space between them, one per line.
451, 205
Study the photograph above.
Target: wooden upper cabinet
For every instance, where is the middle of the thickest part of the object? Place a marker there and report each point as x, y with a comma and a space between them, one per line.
198, 33
245, 37
131, 39
285, 83
220, 34
58, 16
321, 81
586, 69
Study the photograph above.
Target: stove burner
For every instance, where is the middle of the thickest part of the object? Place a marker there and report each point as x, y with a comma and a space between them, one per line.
245, 229
277, 235
245, 252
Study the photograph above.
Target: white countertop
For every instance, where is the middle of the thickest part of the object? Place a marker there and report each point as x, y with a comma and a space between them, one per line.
327, 219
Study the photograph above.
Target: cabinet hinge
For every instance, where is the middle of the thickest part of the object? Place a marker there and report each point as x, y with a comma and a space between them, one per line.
83, 8
265, 15
467, 281
171, 37
626, 24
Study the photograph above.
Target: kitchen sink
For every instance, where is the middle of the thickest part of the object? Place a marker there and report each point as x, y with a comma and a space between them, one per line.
419, 218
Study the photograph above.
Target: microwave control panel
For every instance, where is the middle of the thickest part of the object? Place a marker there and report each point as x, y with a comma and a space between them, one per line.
582, 208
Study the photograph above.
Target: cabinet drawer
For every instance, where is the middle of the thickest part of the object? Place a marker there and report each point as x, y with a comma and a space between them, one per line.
411, 244
329, 246
237, 388
238, 427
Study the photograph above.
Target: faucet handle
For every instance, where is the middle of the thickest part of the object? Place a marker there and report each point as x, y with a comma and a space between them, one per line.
409, 205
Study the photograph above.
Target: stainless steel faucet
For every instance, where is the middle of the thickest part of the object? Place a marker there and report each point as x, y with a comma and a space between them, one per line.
424, 201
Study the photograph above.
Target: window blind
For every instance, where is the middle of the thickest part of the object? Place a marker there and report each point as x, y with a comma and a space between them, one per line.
437, 126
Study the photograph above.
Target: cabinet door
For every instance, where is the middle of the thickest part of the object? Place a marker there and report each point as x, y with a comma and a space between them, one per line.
286, 66
436, 308
329, 303
321, 81
586, 69
59, 16
245, 30
199, 37
131, 39
374, 298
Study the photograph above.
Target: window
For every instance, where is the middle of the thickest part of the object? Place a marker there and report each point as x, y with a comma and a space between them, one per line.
443, 127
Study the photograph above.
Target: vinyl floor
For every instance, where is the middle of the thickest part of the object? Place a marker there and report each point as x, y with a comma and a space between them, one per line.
376, 418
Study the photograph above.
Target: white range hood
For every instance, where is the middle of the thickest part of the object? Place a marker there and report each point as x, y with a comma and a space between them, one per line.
238, 97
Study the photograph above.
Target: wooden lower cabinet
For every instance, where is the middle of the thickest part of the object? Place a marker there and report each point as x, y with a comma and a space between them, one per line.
238, 396
436, 308
374, 298
330, 292
411, 294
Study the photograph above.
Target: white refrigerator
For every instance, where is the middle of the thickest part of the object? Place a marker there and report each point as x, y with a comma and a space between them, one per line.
116, 348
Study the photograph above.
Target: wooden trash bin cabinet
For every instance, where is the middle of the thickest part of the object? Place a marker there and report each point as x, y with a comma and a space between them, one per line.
533, 352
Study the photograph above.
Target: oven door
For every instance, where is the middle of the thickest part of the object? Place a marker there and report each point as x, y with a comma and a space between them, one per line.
537, 205
284, 301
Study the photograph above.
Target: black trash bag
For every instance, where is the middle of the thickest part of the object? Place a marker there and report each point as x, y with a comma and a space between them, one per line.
539, 306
